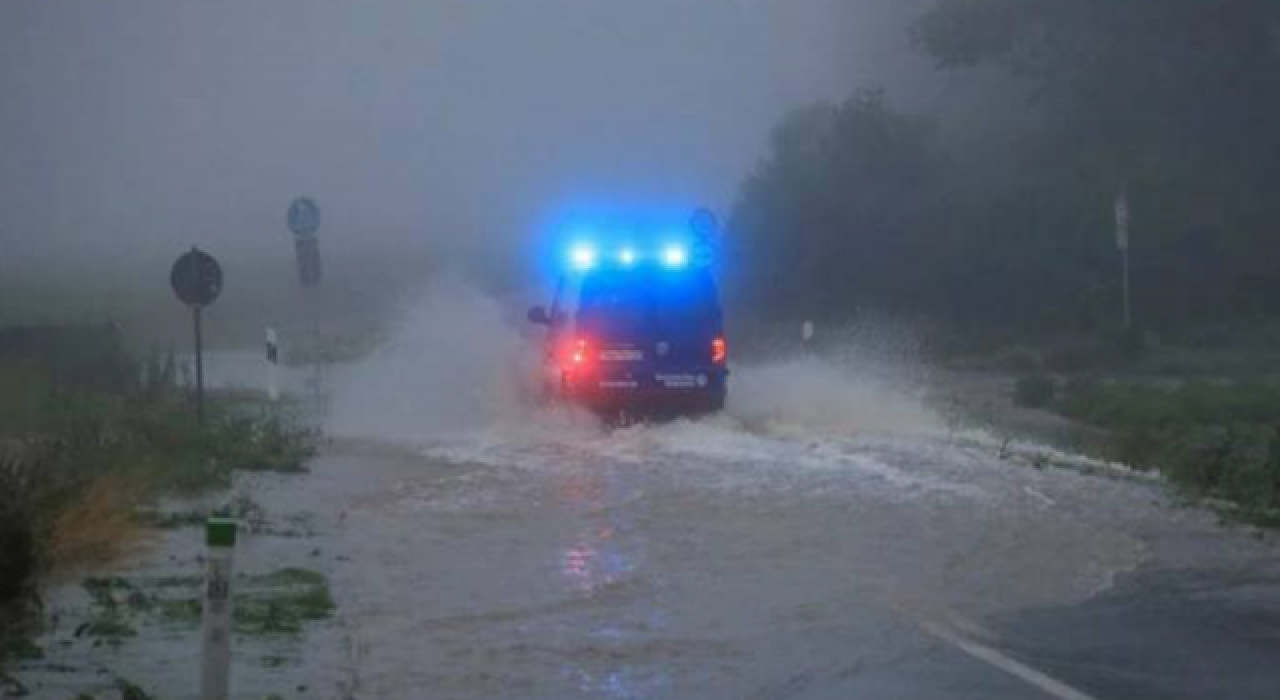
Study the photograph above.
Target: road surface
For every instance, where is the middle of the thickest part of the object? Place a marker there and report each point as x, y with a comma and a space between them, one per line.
701, 560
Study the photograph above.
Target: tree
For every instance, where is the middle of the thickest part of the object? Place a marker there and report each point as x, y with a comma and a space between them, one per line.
1175, 101
839, 212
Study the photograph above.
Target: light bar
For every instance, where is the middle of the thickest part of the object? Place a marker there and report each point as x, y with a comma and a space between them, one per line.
675, 256
582, 257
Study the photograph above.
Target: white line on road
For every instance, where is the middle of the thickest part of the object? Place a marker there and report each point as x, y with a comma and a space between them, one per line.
1011, 666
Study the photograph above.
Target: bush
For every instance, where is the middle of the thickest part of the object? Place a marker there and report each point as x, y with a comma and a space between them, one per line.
1217, 439
1035, 391
1023, 359
17, 540
1079, 353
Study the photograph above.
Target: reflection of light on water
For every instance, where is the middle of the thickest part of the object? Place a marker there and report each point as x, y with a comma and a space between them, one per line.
595, 559
587, 567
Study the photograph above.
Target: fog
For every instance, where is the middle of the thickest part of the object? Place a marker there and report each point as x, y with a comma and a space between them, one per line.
132, 130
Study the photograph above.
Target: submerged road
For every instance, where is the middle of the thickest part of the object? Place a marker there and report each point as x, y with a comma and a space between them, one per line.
713, 561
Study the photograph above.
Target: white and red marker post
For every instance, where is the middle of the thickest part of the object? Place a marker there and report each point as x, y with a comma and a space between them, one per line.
215, 631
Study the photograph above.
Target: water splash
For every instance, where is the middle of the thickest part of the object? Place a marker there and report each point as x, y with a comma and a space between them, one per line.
461, 362
455, 361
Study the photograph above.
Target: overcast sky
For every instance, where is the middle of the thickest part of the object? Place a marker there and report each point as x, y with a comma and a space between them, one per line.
131, 129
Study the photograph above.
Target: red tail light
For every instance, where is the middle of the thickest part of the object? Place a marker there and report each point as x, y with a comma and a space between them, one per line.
580, 352
719, 351
577, 354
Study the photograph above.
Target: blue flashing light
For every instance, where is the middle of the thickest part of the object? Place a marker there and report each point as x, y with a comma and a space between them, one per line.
675, 256
582, 257
627, 257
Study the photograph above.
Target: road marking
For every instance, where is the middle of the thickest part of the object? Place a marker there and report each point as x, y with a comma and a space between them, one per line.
1011, 666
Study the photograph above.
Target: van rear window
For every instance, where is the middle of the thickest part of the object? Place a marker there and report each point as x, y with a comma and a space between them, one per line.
645, 297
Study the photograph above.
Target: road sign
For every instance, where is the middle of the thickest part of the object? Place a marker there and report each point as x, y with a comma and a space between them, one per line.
310, 269
304, 217
196, 278
704, 223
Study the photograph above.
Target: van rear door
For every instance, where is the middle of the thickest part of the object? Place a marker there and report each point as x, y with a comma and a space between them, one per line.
661, 319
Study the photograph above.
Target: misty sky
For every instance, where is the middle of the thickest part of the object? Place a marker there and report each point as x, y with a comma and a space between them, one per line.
133, 128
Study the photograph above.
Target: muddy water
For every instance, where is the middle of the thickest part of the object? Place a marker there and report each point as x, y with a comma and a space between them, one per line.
701, 560
135, 628
548, 558
811, 542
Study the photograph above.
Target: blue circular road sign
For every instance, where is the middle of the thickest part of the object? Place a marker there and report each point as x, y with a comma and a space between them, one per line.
304, 217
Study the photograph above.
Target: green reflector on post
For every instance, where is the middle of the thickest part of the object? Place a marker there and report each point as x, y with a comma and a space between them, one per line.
220, 532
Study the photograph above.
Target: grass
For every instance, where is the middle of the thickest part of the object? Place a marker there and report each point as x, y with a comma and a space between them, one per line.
20, 649
95, 527
91, 438
1034, 390
1199, 404
1239, 350
1218, 440
74, 499
281, 602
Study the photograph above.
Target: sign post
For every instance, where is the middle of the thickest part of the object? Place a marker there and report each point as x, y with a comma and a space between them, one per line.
215, 666
196, 279
307, 249
1122, 244
273, 364
304, 221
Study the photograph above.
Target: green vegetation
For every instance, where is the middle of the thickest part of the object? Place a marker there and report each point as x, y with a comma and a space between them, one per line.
131, 691
108, 624
282, 603
1007, 223
89, 438
1212, 439
1034, 391
20, 649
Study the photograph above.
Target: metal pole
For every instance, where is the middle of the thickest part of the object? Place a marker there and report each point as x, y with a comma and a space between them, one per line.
1128, 302
199, 365
1122, 243
313, 308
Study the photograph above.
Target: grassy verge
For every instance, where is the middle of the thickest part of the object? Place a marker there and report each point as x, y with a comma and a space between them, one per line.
1219, 440
1202, 405
88, 439
278, 603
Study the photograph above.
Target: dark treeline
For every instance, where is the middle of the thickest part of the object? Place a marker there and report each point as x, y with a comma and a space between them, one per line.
862, 205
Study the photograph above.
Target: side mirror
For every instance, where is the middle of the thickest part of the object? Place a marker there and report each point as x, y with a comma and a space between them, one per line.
539, 316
